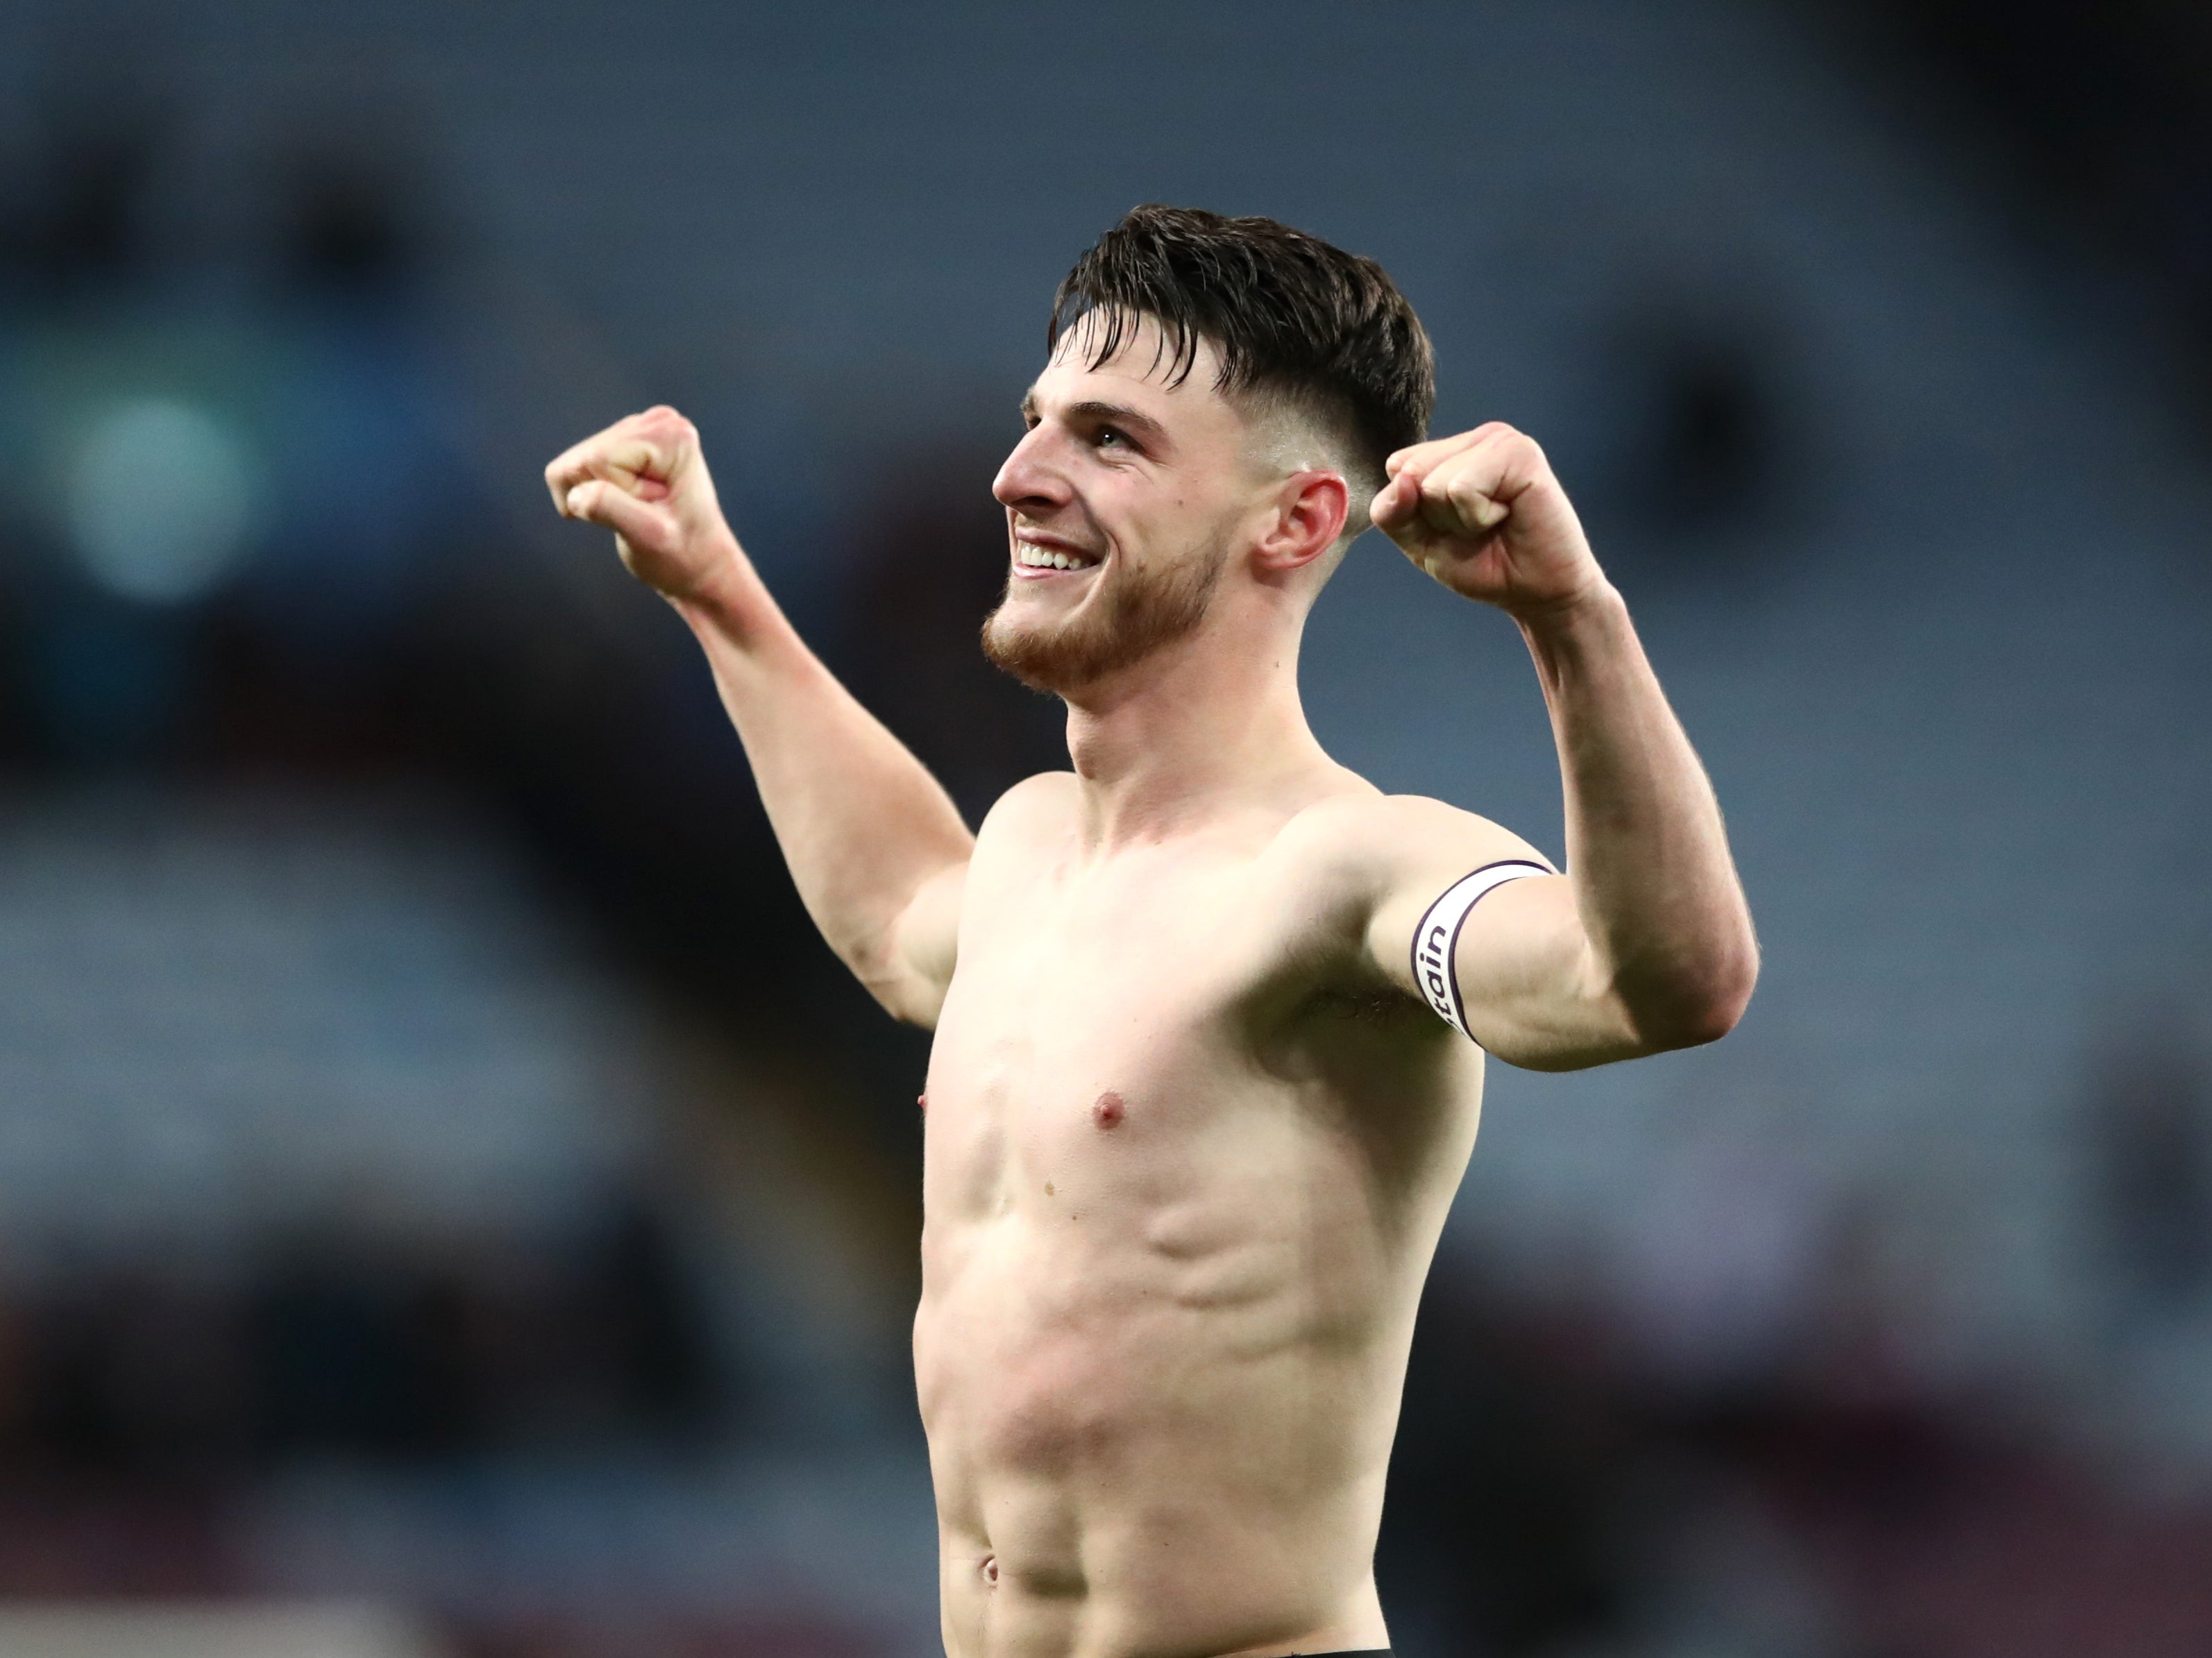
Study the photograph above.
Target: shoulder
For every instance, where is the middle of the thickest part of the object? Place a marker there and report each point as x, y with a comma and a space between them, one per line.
1036, 805
1373, 842
1044, 791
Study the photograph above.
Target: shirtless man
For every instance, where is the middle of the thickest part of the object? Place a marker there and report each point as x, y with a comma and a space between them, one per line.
1203, 1085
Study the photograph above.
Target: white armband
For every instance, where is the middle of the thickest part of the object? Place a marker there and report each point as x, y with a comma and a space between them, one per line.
1436, 941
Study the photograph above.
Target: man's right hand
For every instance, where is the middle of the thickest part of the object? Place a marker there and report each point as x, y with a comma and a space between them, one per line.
645, 479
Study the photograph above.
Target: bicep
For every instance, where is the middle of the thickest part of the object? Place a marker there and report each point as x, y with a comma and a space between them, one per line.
1529, 980
1516, 964
925, 946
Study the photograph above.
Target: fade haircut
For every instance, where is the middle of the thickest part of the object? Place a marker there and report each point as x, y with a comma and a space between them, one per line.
1293, 321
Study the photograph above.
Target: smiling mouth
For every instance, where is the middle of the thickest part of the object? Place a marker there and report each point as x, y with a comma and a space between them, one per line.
1031, 557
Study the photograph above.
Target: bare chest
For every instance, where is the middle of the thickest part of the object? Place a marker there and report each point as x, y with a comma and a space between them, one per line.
1099, 1030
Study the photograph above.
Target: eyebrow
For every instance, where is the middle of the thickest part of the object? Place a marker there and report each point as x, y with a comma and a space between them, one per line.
1108, 414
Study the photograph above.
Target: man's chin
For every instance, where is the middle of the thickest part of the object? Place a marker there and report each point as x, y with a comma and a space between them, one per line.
1041, 654
1063, 649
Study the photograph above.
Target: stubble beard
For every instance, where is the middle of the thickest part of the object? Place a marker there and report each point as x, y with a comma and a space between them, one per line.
1136, 614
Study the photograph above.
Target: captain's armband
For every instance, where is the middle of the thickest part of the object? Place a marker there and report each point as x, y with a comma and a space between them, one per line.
1436, 939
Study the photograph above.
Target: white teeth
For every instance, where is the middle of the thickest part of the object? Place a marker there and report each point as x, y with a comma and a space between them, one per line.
1047, 558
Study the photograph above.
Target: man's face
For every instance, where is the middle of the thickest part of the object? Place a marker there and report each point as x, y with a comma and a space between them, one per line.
1122, 503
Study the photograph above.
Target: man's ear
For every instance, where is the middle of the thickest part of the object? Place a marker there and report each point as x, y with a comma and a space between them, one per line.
1311, 508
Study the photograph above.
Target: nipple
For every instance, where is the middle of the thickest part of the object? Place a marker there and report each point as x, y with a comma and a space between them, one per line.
922, 1100
1110, 1110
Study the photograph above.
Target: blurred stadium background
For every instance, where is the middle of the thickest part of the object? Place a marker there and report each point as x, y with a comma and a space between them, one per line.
451, 1206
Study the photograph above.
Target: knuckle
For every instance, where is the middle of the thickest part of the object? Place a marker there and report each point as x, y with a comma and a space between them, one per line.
1515, 446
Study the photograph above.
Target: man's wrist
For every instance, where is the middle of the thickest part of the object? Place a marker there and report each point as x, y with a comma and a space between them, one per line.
719, 597
1597, 608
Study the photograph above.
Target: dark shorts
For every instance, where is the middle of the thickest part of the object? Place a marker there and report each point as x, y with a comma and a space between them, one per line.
1365, 1652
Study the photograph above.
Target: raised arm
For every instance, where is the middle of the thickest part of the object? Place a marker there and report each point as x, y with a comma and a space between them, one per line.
1647, 943
874, 843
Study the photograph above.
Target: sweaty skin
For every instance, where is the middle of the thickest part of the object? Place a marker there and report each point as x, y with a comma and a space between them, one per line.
1190, 1133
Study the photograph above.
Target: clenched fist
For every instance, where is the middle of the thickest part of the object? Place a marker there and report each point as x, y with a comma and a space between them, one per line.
645, 479
1482, 514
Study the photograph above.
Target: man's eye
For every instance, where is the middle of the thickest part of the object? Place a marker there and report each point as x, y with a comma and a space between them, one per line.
1109, 435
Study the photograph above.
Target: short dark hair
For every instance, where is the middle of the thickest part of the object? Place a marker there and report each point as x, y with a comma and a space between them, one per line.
1289, 315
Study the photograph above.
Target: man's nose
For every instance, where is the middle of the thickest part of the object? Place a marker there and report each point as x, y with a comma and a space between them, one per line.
1028, 480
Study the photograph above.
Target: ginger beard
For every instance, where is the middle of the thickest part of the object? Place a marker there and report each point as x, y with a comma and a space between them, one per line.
1136, 611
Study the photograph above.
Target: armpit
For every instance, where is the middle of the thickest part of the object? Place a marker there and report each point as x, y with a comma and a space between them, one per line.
1382, 1006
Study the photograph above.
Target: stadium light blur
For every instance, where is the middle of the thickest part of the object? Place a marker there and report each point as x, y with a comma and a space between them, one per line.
164, 500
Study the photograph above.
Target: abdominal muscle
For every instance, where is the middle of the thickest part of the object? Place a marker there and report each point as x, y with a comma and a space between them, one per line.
1160, 1410
1177, 1206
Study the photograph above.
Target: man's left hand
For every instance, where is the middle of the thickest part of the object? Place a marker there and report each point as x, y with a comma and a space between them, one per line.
1482, 514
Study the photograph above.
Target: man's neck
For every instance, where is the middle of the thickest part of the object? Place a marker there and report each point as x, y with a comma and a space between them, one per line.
1200, 729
